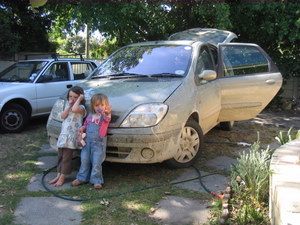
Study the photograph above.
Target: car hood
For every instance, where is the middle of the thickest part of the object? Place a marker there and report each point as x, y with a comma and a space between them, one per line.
124, 96
6, 86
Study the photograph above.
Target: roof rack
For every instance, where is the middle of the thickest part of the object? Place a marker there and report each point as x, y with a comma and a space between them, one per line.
38, 54
54, 55
74, 55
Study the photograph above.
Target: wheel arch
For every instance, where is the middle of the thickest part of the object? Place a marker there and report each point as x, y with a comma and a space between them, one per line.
22, 102
194, 116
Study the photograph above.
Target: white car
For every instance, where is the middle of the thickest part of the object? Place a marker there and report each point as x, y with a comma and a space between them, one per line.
29, 88
166, 95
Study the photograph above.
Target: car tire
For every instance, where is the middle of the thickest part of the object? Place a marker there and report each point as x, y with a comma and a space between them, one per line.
191, 142
227, 125
13, 118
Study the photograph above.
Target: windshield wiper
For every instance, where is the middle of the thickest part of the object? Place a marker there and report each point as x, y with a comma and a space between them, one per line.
121, 76
166, 75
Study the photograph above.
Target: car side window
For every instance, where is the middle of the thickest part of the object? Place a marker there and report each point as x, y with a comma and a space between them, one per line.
242, 60
204, 61
57, 72
81, 70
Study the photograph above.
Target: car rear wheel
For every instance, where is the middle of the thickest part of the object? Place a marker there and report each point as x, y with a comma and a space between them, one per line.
191, 141
13, 118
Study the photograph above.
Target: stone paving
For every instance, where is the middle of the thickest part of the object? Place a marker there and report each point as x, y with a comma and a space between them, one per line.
170, 210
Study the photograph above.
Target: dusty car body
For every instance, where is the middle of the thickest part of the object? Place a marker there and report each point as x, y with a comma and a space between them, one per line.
29, 88
166, 95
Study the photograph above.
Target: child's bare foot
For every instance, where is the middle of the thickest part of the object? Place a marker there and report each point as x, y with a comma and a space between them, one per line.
54, 180
97, 186
77, 182
61, 181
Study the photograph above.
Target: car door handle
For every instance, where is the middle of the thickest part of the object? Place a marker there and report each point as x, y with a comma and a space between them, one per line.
69, 85
271, 81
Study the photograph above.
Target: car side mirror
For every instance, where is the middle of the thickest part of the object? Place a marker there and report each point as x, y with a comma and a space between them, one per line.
207, 75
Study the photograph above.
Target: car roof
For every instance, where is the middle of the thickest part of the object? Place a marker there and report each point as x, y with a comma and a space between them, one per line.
210, 35
51, 60
162, 42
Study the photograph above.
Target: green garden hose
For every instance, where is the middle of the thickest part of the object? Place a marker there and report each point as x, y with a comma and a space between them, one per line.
127, 192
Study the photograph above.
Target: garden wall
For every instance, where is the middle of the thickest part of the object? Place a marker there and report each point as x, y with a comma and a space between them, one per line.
284, 201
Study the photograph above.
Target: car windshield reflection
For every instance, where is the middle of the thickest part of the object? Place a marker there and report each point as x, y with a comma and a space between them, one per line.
147, 60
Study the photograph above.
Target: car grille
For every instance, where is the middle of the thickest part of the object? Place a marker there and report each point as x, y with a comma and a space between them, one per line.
116, 152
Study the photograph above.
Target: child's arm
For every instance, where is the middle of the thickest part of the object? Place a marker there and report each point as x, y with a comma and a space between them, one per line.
105, 122
76, 108
65, 113
82, 129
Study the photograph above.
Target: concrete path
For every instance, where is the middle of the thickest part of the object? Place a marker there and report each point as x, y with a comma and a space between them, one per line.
170, 210
48, 210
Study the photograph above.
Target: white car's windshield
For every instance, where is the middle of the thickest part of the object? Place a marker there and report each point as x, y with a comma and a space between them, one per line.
150, 60
22, 71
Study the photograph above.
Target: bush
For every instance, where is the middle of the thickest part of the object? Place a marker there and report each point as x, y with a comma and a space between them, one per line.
250, 185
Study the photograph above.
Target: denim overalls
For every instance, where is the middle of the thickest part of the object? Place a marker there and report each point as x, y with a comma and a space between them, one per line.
92, 156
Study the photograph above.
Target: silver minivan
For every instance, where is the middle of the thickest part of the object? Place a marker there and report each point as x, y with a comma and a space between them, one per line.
166, 95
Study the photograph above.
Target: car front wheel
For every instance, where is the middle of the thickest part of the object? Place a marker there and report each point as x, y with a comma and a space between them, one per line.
188, 151
13, 118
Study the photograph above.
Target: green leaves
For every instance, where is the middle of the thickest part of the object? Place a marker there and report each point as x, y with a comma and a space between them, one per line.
37, 3
284, 137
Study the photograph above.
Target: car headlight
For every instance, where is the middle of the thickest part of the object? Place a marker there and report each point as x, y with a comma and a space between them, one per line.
57, 109
146, 115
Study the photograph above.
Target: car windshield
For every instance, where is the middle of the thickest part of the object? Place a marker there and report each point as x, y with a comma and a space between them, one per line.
150, 60
22, 71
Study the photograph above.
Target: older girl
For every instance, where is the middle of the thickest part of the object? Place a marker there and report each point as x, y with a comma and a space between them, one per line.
72, 115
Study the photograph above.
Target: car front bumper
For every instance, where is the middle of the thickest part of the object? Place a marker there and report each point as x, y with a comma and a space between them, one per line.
128, 145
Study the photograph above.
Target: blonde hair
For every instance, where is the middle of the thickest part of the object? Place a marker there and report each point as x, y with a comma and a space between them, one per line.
98, 98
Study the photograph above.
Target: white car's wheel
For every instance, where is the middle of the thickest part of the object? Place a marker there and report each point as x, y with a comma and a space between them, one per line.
191, 140
13, 118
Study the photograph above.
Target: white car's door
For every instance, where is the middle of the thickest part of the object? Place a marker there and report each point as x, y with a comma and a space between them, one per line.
56, 84
249, 81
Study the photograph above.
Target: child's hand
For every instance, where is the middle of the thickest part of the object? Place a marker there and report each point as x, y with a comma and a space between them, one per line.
81, 129
81, 97
107, 109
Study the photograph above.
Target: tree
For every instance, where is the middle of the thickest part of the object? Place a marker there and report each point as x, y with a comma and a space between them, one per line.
273, 25
74, 44
22, 29
139, 21
9, 41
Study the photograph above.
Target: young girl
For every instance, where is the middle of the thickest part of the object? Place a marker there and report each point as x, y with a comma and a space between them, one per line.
73, 116
93, 153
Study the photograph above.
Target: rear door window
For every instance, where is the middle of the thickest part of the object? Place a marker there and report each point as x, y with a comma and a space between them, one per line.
81, 70
58, 71
243, 60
